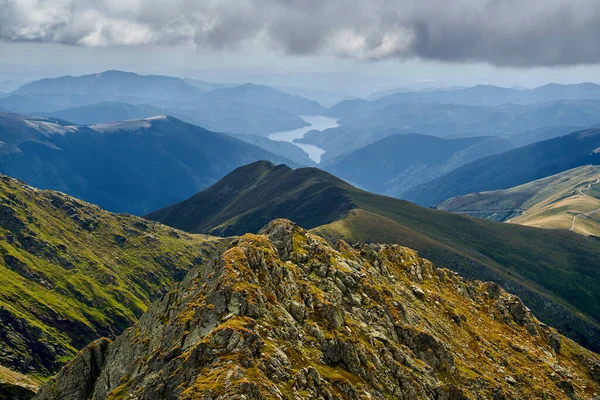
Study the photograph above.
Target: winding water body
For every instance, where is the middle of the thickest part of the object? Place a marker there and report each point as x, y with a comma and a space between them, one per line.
318, 122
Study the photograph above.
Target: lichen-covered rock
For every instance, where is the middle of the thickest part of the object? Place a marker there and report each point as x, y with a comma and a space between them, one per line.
283, 315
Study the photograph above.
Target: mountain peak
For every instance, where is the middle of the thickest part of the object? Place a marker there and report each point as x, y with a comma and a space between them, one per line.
283, 314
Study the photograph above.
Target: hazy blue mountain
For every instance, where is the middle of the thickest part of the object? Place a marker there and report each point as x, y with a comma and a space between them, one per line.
221, 117
10, 85
73, 91
284, 149
207, 86
487, 95
512, 168
537, 135
25, 104
104, 112
268, 97
246, 109
363, 122
129, 166
395, 164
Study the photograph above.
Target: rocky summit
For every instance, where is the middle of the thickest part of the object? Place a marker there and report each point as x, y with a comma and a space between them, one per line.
285, 315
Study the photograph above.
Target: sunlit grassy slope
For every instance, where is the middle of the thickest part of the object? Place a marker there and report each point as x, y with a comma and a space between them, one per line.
71, 272
569, 200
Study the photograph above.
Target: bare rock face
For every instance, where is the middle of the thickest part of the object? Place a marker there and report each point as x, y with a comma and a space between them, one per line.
284, 315
78, 378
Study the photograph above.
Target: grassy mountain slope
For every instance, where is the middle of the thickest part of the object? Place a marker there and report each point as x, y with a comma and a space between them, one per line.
555, 271
130, 166
567, 200
71, 272
397, 163
512, 168
284, 315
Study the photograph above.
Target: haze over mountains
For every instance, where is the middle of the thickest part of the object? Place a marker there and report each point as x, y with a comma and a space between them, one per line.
98, 97
512, 168
363, 122
395, 164
197, 156
133, 166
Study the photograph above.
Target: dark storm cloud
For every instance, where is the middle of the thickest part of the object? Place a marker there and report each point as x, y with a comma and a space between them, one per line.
499, 32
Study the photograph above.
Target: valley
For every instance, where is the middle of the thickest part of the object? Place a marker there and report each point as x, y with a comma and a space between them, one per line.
183, 238
317, 123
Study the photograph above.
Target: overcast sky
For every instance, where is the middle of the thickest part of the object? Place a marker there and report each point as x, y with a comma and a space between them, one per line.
345, 45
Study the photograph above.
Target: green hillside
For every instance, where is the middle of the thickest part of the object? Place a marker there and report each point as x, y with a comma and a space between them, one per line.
569, 200
71, 273
555, 271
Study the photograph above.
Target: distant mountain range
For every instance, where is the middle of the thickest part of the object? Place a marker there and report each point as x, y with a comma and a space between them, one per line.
222, 117
512, 168
363, 122
133, 166
516, 256
246, 109
488, 95
568, 200
10, 85
395, 164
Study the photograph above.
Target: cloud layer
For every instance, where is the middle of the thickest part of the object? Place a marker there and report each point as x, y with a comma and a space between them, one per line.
500, 32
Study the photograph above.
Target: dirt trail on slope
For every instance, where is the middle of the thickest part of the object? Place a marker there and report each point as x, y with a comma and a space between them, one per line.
585, 214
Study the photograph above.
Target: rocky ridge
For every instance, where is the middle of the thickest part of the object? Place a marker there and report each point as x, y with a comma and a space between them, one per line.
285, 315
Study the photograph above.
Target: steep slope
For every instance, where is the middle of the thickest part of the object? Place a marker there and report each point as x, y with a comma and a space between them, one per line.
283, 315
71, 273
512, 168
568, 200
268, 97
397, 163
555, 271
130, 166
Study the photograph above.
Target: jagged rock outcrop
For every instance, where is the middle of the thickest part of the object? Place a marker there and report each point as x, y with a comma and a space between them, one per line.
284, 315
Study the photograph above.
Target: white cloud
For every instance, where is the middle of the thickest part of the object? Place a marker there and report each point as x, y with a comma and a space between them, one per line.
500, 32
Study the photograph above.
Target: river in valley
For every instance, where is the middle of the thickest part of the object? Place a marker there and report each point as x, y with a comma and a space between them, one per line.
318, 122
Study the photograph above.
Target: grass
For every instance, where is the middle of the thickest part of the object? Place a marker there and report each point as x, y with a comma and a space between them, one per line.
72, 272
549, 203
